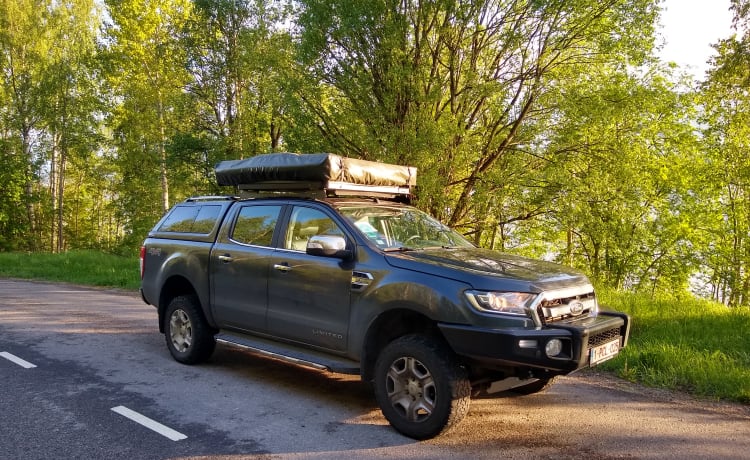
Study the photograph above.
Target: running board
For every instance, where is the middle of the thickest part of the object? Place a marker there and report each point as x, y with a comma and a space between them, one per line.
291, 354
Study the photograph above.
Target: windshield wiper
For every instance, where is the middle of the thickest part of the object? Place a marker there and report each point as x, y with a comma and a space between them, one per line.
399, 249
444, 246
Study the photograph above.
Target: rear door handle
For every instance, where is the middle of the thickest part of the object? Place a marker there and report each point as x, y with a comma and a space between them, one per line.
282, 267
226, 258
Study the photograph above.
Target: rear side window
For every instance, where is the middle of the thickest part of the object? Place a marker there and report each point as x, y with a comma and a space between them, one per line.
255, 225
191, 219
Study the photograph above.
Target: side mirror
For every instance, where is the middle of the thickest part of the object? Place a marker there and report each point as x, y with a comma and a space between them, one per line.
328, 246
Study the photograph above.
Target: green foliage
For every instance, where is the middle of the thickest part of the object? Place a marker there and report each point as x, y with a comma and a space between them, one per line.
147, 75
689, 344
48, 99
726, 190
22, 69
14, 227
545, 128
455, 87
620, 163
80, 267
241, 60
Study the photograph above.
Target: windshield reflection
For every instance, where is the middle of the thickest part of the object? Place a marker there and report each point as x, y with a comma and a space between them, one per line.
402, 228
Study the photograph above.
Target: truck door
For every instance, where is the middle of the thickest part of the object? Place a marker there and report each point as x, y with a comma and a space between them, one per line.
239, 267
308, 296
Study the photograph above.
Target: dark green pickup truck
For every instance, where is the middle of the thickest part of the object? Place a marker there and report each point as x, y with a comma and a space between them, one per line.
324, 264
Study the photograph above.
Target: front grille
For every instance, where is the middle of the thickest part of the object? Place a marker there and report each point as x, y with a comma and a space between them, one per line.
604, 337
567, 308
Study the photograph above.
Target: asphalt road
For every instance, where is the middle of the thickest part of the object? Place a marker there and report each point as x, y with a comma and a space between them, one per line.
100, 364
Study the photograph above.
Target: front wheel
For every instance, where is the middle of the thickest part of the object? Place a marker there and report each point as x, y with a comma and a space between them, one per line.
420, 387
189, 338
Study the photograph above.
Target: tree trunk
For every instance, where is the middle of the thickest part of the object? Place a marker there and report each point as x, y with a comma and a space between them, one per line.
53, 190
31, 244
60, 200
163, 156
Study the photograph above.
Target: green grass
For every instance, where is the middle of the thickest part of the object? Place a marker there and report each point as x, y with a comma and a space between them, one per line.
690, 345
79, 267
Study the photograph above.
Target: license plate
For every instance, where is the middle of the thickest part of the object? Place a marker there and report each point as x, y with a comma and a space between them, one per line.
604, 352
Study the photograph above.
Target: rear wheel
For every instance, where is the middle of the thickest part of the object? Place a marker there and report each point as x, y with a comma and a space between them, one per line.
420, 387
189, 338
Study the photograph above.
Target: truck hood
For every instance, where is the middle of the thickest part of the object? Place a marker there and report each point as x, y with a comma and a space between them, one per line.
480, 267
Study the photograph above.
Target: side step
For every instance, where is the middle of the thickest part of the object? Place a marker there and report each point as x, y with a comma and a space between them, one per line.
291, 353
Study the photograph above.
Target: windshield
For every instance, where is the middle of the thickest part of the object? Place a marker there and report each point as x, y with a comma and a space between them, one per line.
401, 228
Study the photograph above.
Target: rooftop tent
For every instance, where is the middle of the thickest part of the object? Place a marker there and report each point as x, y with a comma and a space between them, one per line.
316, 170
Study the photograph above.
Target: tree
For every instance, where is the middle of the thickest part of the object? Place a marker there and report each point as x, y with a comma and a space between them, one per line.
47, 108
239, 57
71, 87
727, 190
455, 86
147, 75
621, 154
22, 68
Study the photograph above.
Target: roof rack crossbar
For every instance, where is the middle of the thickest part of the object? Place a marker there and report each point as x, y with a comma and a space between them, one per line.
210, 198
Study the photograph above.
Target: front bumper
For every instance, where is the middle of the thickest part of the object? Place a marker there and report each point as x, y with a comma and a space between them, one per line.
525, 348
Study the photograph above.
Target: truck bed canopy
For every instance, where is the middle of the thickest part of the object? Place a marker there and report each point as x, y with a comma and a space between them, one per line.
316, 171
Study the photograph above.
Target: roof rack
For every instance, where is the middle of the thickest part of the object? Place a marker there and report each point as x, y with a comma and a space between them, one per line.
319, 190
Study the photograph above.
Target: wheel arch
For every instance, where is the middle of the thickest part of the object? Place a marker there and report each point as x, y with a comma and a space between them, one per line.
390, 325
174, 286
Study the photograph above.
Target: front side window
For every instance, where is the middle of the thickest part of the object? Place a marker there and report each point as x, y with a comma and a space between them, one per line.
398, 227
306, 222
255, 225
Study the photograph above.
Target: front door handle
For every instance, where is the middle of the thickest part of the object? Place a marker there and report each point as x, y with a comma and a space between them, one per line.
282, 267
226, 258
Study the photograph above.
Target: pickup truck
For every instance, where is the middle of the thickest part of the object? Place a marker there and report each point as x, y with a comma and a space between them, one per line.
324, 264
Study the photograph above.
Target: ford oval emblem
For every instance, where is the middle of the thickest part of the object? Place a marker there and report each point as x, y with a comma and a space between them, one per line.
576, 307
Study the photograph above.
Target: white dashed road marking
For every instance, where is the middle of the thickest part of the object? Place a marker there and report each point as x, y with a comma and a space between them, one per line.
17, 360
148, 423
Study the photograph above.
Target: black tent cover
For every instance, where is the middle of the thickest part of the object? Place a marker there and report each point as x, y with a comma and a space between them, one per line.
313, 167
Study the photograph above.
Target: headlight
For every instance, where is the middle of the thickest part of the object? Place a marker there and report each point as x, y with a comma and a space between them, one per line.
509, 303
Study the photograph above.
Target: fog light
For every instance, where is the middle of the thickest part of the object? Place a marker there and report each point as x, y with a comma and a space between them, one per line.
553, 348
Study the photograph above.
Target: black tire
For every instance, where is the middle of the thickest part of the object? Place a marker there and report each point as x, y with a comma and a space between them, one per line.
189, 338
535, 387
420, 387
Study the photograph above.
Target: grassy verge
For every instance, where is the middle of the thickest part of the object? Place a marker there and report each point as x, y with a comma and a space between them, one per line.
691, 345
79, 267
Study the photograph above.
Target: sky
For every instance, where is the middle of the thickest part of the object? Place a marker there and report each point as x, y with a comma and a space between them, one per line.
689, 27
